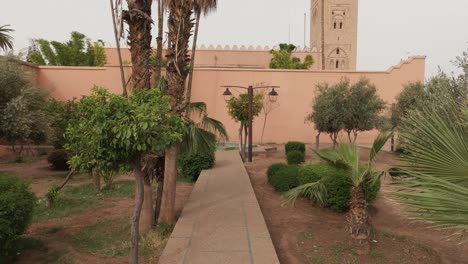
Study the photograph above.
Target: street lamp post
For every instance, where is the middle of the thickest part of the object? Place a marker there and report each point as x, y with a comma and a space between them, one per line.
273, 95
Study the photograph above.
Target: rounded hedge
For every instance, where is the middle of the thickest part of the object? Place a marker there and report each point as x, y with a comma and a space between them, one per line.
58, 160
191, 164
294, 145
337, 183
315, 171
274, 168
16, 210
285, 178
295, 157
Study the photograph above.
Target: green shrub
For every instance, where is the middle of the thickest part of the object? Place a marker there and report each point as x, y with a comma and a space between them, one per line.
294, 145
336, 182
295, 157
285, 178
58, 160
274, 168
16, 209
313, 172
191, 164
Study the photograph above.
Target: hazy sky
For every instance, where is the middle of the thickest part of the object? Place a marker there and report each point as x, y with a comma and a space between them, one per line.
388, 30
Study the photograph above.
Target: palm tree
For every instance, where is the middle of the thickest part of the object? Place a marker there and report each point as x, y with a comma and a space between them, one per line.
180, 26
159, 41
436, 190
6, 41
138, 18
347, 155
200, 6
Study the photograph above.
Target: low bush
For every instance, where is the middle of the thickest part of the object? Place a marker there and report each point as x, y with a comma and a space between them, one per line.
191, 164
295, 157
337, 183
16, 210
294, 145
313, 172
58, 160
285, 178
275, 168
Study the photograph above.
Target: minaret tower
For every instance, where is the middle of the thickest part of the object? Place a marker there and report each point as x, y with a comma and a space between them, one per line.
340, 20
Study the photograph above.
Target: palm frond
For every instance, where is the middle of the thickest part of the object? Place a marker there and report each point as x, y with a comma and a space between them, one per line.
316, 191
438, 147
378, 144
197, 139
198, 107
6, 40
435, 200
214, 126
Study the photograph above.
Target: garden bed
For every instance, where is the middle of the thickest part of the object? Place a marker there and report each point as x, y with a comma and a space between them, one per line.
305, 233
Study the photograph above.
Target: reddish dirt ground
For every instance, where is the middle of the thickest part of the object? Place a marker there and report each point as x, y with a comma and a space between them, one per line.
36, 171
305, 233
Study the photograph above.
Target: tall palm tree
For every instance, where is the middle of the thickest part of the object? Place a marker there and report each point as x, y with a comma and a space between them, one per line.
180, 25
6, 41
159, 41
436, 190
200, 6
347, 155
138, 18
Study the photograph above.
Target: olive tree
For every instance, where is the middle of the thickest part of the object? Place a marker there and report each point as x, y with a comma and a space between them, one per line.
363, 106
115, 132
329, 108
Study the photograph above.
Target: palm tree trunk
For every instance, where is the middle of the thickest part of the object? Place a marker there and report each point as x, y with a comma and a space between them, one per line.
323, 34
138, 18
358, 219
192, 62
160, 180
170, 175
119, 54
159, 41
136, 214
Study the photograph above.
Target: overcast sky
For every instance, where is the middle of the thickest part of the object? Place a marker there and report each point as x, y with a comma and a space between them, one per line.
388, 30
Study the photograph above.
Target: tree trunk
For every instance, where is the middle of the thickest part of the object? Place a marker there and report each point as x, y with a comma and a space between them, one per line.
192, 61
263, 129
97, 180
138, 18
159, 170
159, 41
349, 135
355, 133
146, 219
245, 140
322, 18
392, 143
136, 214
317, 141
170, 177
358, 220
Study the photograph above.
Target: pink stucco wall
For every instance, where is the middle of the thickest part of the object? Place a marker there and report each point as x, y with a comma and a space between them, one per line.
285, 123
225, 57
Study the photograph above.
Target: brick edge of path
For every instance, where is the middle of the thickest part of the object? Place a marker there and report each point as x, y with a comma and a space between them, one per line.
222, 222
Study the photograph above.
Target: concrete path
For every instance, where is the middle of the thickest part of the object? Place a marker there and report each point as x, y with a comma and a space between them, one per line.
222, 222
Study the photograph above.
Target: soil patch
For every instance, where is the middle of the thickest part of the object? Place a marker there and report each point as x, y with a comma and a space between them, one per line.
305, 233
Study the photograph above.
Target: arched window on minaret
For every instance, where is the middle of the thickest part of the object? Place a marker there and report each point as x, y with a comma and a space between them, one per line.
337, 64
338, 51
334, 25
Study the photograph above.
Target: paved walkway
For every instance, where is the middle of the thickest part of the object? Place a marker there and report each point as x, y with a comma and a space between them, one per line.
222, 222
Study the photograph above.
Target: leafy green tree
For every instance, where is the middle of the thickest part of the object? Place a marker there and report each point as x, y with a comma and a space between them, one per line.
410, 98
62, 114
329, 109
6, 40
281, 59
78, 51
23, 119
346, 155
115, 132
238, 110
363, 106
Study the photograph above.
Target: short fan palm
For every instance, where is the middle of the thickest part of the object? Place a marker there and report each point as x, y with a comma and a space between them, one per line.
346, 155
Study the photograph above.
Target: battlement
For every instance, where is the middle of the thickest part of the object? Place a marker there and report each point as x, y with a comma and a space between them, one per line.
299, 49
